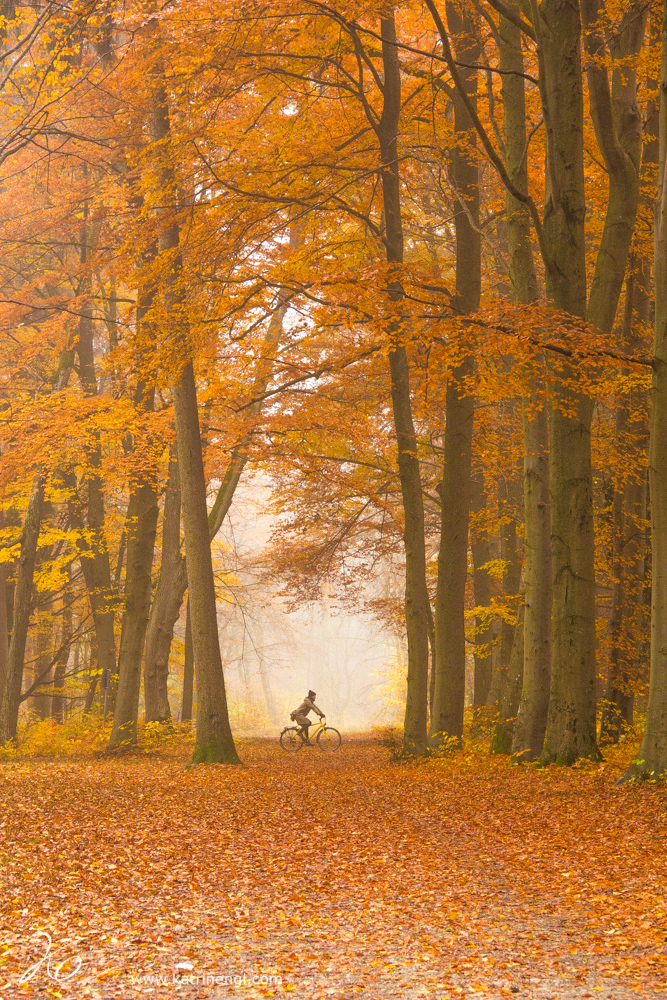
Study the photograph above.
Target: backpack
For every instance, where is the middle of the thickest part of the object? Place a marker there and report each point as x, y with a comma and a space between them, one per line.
293, 716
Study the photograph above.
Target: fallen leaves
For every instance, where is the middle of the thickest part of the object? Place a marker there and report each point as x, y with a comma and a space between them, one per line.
343, 875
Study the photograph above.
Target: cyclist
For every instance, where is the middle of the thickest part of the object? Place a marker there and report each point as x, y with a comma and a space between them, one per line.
300, 715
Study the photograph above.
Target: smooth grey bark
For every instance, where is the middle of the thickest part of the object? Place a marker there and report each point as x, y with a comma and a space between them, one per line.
9, 707
450, 639
214, 740
651, 761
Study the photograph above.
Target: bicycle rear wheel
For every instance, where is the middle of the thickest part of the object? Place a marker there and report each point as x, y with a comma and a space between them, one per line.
290, 740
328, 738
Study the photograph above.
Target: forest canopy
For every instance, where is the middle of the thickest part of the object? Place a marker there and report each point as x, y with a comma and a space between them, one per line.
404, 265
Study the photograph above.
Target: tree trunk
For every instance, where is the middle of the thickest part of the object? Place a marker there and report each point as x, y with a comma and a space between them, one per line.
531, 722
214, 741
58, 700
9, 708
162, 620
4, 631
651, 761
141, 525
530, 725
173, 584
43, 646
481, 556
188, 671
416, 593
571, 724
98, 577
449, 696
502, 739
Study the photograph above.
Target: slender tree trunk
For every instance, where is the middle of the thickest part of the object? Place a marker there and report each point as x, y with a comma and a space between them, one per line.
4, 631
501, 741
449, 697
188, 671
43, 643
141, 525
416, 594
530, 725
58, 701
531, 722
162, 619
98, 581
173, 583
651, 761
481, 556
9, 707
629, 534
214, 742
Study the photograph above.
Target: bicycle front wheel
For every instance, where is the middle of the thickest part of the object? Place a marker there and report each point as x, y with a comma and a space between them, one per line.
290, 740
328, 738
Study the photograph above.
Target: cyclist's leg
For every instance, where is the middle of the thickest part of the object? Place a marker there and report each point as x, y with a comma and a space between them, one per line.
304, 723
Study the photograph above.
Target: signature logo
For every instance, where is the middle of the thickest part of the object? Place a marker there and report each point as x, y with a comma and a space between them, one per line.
55, 973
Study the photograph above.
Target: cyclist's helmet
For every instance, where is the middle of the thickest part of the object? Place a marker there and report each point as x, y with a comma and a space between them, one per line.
311, 694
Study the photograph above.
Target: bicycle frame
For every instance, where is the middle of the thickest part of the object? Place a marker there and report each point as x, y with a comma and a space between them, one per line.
319, 725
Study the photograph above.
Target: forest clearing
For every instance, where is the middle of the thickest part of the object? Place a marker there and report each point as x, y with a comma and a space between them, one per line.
344, 875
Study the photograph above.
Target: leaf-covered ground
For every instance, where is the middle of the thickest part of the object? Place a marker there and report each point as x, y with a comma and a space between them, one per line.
342, 875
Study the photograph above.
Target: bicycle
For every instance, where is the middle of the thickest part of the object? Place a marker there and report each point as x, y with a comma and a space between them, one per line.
326, 737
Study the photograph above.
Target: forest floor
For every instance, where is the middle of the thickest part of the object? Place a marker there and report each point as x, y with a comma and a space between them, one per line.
342, 875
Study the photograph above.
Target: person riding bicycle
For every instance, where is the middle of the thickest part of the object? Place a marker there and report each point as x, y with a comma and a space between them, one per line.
300, 715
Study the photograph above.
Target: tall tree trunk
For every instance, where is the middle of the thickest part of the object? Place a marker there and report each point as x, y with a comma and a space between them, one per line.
43, 646
173, 584
629, 534
449, 696
651, 761
4, 630
214, 741
9, 707
501, 742
417, 610
531, 722
188, 671
58, 701
481, 556
161, 624
98, 581
140, 531
141, 525
530, 725
629, 513
571, 723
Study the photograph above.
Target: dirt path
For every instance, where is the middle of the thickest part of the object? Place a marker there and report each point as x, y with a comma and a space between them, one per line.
339, 876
